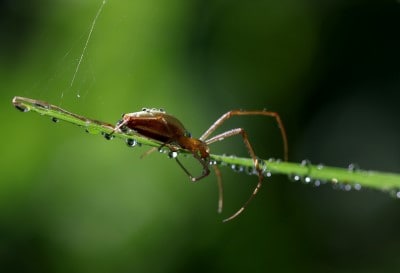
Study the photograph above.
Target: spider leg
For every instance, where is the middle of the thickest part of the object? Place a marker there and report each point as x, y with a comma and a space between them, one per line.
206, 172
220, 188
151, 150
118, 127
203, 162
232, 113
242, 132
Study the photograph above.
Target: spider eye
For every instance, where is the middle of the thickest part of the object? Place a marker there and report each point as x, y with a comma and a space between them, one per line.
188, 134
144, 109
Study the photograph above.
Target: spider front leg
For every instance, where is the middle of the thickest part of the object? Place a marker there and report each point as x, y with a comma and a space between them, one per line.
232, 113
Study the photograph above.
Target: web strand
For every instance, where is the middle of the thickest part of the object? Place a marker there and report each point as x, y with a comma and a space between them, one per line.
86, 43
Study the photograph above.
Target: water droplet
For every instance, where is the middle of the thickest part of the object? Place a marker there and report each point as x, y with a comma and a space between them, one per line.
173, 154
251, 170
317, 183
224, 163
357, 187
268, 174
347, 187
395, 193
131, 142
237, 168
295, 177
307, 180
21, 108
108, 136
342, 186
53, 119
353, 167
305, 162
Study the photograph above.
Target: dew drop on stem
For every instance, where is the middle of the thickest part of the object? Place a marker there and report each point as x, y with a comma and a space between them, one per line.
173, 154
395, 193
251, 170
131, 142
317, 183
108, 136
357, 187
307, 180
353, 167
295, 177
305, 162
21, 108
237, 168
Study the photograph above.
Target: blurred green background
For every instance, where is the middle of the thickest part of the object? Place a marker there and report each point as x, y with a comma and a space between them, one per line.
74, 202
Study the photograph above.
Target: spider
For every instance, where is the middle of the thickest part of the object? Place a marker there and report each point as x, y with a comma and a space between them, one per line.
158, 125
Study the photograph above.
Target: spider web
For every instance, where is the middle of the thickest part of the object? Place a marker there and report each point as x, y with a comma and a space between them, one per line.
86, 45
71, 77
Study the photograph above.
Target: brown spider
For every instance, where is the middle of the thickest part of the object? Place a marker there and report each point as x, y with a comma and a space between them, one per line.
158, 125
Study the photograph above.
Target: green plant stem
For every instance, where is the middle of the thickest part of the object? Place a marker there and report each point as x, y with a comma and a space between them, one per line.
298, 171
